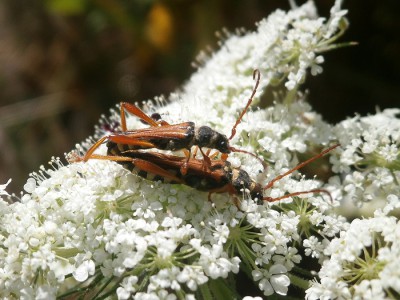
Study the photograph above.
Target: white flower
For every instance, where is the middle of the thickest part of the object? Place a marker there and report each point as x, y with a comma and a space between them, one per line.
252, 298
3, 188
127, 287
289, 259
328, 289
263, 253
61, 268
166, 278
216, 263
221, 233
369, 290
393, 202
192, 276
82, 272
272, 280
313, 246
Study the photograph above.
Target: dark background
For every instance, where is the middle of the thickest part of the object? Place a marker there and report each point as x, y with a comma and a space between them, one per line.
65, 62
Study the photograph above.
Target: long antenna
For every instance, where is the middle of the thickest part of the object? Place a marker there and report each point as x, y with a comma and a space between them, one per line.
255, 73
320, 191
271, 183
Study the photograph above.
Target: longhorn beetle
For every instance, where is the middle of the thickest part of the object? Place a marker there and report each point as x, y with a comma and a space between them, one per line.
220, 177
165, 136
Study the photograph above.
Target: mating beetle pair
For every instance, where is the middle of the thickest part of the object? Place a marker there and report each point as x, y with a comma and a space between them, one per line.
130, 148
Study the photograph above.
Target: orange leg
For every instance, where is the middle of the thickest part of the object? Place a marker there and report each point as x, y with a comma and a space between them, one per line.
206, 159
96, 145
212, 156
142, 165
125, 139
121, 138
133, 109
224, 156
196, 148
184, 167
116, 138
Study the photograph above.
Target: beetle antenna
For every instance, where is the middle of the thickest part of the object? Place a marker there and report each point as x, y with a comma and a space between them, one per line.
256, 74
271, 183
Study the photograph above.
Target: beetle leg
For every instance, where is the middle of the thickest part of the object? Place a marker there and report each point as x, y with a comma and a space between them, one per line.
121, 139
141, 164
184, 167
133, 109
206, 160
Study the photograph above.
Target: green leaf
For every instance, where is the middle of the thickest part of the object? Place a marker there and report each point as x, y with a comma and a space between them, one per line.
66, 7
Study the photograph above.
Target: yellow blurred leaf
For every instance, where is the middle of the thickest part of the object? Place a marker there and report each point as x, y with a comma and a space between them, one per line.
159, 29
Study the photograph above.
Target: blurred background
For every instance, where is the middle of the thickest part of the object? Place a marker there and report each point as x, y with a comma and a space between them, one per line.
65, 62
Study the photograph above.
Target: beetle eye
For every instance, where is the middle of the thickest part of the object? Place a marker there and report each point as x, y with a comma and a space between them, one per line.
222, 144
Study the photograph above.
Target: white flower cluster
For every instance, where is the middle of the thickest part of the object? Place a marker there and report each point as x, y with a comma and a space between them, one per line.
94, 230
95, 220
364, 261
370, 158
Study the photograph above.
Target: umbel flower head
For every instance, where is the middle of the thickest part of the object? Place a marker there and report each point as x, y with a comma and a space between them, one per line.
95, 230
370, 158
363, 262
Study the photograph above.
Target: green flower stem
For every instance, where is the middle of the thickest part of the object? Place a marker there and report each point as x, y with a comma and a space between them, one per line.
102, 288
299, 282
82, 290
220, 290
305, 273
205, 292
290, 96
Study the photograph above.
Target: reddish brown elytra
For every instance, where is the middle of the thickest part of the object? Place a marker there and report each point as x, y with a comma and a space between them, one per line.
165, 136
219, 177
